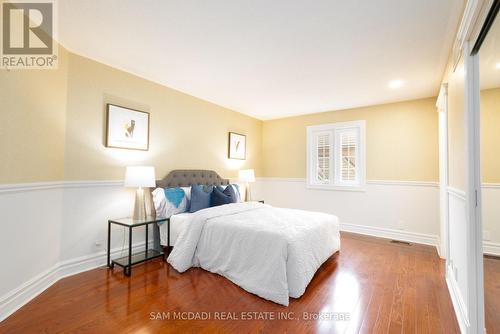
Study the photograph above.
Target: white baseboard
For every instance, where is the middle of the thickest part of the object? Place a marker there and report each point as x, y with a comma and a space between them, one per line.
457, 301
20, 296
491, 248
438, 248
388, 233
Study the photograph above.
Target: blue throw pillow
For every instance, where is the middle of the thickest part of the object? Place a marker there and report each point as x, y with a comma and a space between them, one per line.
169, 201
175, 196
200, 197
222, 196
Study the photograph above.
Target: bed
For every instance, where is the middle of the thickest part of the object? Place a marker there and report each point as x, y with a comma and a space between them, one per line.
271, 252
177, 223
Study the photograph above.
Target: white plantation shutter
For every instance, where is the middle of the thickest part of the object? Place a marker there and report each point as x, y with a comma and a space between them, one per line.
348, 155
323, 150
336, 155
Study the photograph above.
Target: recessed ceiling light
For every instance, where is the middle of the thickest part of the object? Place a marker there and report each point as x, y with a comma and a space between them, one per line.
396, 83
497, 66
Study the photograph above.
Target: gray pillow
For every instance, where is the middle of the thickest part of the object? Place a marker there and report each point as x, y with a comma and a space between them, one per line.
200, 197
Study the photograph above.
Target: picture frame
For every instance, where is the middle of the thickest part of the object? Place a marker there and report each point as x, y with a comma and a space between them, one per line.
127, 128
237, 146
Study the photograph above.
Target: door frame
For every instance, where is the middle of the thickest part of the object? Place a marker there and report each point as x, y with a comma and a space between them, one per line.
473, 190
486, 17
470, 31
442, 106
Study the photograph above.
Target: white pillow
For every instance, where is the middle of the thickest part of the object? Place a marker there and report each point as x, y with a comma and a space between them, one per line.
164, 207
187, 191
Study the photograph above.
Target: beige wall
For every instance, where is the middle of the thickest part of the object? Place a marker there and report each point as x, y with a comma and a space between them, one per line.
32, 123
490, 135
53, 125
456, 127
56, 123
401, 139
186, 132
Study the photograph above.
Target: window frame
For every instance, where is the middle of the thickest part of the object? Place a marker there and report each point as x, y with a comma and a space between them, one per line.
336, 129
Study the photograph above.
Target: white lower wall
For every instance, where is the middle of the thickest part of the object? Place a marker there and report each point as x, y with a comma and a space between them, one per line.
457, 273
52, 230
30, 234
491, 218
86, 210
394, 209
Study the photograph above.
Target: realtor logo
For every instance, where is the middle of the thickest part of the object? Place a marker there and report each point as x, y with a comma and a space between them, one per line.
28, 35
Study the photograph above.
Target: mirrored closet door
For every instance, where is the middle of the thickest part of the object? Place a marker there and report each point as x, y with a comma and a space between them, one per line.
489, 65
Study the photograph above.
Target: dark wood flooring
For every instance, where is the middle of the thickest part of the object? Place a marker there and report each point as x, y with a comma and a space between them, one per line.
371, 286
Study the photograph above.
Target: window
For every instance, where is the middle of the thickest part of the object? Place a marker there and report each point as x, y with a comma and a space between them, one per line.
335, 156
322, 150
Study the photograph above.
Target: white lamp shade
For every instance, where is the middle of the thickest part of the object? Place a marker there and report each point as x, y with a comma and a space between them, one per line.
140, 177
247, 175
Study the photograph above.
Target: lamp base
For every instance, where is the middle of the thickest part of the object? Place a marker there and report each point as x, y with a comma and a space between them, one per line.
249, 193
139, 206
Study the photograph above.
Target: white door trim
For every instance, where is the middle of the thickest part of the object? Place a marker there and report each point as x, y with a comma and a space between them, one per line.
442, 105
473, 19
473, 191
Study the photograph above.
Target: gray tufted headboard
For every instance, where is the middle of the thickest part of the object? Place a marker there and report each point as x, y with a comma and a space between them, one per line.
188, 177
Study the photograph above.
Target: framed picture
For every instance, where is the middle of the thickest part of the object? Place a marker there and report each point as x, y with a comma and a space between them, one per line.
127, 128
237, 146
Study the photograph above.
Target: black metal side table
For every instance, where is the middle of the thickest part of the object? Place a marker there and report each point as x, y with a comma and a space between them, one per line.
128, 261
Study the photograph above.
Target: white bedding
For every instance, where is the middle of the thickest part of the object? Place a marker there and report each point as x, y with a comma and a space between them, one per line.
177, 224
271, 252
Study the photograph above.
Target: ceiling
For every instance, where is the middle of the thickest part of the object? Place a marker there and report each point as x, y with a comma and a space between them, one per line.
271, 59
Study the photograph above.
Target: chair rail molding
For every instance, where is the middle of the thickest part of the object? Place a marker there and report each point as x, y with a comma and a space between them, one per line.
20, 187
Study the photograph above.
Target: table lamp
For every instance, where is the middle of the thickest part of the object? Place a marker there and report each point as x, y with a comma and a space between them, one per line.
140, 177
247, 176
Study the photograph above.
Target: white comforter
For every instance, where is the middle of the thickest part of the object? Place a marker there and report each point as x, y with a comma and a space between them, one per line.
271, 252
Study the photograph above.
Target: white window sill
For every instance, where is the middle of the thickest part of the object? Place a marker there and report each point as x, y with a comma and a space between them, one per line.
358, 188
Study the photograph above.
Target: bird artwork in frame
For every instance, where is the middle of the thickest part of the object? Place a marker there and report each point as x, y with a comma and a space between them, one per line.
237, 146
127, 128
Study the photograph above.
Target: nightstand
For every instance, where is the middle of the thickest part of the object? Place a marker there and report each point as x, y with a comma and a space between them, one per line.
128, 261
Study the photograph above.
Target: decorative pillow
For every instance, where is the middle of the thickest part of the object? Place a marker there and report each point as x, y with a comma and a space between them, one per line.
200, 197
187, 191
222, 196
169, 201
236, 188
237, 191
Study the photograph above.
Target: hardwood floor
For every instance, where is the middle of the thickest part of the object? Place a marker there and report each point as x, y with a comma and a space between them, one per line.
492, 294
382, 287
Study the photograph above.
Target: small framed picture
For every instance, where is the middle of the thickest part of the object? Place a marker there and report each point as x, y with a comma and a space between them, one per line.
127, 128
237, 146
